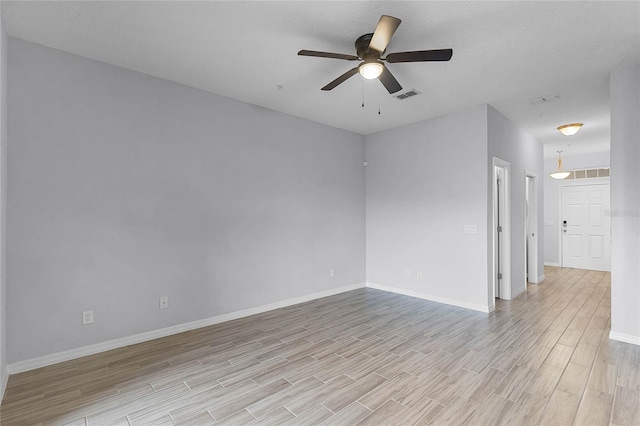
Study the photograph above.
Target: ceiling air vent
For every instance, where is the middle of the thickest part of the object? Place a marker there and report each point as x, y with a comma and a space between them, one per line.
544, 99
408, 94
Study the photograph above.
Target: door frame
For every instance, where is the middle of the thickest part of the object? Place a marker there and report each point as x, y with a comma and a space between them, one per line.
505, 284
576, 182
531, 259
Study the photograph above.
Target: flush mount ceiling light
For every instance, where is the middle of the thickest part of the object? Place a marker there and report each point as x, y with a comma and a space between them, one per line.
370, 70
560, 173
570, 129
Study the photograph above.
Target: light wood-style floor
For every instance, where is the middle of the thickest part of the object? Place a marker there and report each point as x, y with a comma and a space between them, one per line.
366, 357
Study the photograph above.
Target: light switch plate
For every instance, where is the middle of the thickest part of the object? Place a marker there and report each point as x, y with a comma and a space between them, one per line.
87, 317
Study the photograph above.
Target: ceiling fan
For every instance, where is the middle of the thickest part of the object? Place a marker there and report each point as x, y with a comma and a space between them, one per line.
370, 48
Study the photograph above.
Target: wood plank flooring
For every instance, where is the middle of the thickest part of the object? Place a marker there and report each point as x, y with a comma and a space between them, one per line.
363, 357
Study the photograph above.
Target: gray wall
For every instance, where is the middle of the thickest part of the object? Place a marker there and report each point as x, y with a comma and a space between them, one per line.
552, 190
3, 210
625, 202
124, 188
424, 183
524, 153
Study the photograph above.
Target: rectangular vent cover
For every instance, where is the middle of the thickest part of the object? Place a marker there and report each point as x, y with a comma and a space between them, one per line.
407, 94
544, 99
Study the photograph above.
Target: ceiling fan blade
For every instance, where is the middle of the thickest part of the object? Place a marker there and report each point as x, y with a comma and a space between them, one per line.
341, 79
389, 81
327, 55
385, 29
420, 56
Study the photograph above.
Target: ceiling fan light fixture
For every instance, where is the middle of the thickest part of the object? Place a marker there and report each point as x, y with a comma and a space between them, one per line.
570, 129
560, 173
371, 70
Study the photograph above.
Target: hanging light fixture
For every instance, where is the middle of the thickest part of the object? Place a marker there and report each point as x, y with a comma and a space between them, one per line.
371, 69
560, 173
570, 129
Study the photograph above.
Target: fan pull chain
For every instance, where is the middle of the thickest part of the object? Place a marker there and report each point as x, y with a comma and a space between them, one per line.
379, 90
362, 93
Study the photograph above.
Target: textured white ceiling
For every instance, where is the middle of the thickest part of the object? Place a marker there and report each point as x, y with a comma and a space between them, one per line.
505, 53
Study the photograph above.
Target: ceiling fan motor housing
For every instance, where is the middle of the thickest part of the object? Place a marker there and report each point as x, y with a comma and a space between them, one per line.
362, 48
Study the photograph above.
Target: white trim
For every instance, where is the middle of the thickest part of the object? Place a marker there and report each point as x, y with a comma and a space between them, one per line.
626, 338
551, 264
586, 181
517, 292
541, 278
43, 361
533, 219
4, 378
430, 297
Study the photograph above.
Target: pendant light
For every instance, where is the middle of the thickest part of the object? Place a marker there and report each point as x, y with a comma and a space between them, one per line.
560, 173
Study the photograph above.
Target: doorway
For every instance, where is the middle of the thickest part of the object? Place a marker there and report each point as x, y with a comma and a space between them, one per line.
501, 230
531, 228
586, 227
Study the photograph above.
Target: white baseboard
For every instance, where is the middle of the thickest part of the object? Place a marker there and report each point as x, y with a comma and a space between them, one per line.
517, 292
446, 301
626, 338
537, 280
43, 361
4, 378
551, 264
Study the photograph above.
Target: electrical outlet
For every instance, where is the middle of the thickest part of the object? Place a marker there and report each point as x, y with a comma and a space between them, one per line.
407, 273
87, 317
332, 273
164, 302
470, 229
419, 275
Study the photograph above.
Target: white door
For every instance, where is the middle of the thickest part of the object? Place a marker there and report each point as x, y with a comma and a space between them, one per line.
500, 216
501, 230
531, 229
586, 227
